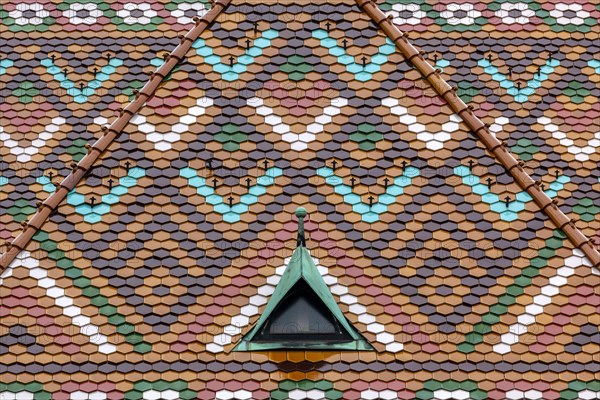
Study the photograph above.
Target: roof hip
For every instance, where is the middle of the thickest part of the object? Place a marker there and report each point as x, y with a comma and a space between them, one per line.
109, 134
494, 146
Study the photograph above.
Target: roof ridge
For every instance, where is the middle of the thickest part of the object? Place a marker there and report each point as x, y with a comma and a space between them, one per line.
494, 146
109, 134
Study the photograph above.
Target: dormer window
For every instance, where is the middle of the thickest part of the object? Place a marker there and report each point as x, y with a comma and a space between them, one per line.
301, 316
302, 313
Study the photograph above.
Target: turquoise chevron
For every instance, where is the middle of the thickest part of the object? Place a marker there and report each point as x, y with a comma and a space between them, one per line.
231, 214
232, 72
93, 214
507, 213
361, 73
4, 64
520, 95
592, 63
82, 95
368, 213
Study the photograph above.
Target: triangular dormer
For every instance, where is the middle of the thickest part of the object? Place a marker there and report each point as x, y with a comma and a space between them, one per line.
302, 314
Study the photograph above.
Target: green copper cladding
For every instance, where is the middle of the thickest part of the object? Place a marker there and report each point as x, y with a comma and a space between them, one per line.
302, 266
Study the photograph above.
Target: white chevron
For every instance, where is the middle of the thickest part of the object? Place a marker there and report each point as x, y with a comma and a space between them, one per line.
299, 141
24, 154
164, 141
433, 140
581, 153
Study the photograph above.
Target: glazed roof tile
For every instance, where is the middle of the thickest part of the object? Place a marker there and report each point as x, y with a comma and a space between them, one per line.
144, 272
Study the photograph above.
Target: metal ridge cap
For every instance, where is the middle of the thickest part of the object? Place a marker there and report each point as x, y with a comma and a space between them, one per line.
109, 134
493, 145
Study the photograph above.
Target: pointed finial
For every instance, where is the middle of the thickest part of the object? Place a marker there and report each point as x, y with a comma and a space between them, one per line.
301, 213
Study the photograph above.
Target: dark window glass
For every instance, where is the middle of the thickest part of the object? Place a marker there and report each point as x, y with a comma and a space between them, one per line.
302, 316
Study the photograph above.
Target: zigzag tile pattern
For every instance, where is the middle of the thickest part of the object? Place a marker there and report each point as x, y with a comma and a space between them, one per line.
463, 285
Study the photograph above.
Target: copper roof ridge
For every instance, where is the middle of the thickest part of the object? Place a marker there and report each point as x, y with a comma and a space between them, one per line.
499, 149
109, 134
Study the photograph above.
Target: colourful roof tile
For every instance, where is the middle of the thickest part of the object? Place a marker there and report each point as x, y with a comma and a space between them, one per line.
454, 239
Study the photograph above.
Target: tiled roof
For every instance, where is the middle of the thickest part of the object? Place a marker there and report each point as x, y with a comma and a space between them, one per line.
165, 241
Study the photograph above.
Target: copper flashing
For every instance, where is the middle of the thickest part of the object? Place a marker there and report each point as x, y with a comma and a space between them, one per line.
109, 134
478, 128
